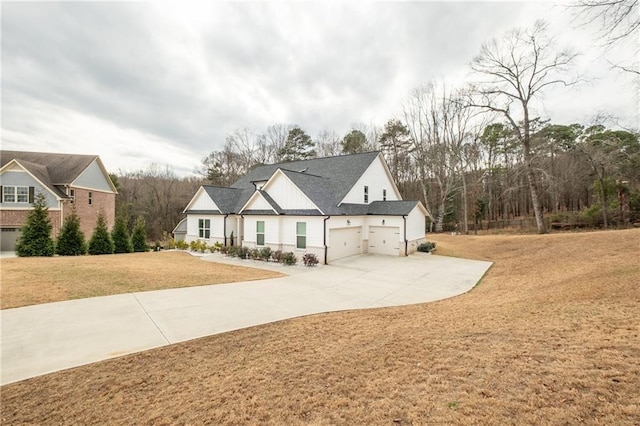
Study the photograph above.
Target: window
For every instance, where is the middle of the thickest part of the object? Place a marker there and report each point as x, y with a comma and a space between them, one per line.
384, 195
366, 194
204, 228
301, 235
90, 198
72, 195
17, 194
260, 232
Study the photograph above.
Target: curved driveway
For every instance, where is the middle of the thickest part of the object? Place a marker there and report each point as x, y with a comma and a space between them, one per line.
40, 339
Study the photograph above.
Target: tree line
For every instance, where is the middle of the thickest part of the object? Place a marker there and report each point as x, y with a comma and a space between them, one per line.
473, 154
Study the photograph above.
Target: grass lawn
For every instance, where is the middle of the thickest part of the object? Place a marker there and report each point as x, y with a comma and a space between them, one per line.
29, 281
550, 336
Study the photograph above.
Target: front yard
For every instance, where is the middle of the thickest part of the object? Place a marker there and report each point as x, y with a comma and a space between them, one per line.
29, 281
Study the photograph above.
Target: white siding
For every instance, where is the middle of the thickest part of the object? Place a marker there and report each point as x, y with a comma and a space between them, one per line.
93, 178
287, 194
258, 202
217, 228
315, 230
415, 224
377, 179
202, 201
271, 230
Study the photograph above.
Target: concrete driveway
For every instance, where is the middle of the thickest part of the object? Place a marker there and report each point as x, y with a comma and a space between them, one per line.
40, 339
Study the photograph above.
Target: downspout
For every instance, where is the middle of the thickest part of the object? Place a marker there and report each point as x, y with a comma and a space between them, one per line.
406, 243
224, 229
326, 249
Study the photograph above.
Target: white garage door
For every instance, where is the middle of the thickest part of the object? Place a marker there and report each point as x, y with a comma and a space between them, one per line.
344, 242
8, 239
384, 240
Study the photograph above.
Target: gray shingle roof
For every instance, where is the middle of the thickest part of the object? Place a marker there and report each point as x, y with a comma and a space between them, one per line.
326, 181
52, 169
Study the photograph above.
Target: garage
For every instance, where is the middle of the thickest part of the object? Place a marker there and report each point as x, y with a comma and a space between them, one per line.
344, 242
9, 238
384, 240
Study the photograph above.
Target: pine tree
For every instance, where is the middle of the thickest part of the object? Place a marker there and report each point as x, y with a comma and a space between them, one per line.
120, 236
101, 242
71, 240
139, 237
36, 233
298, 146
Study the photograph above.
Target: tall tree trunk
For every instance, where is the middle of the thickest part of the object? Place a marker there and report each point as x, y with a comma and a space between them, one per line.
465, 206
535, 196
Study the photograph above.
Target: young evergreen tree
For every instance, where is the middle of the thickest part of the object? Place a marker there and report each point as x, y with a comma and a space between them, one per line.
101, 242
71, 240
121, 237
36, 233
139, 237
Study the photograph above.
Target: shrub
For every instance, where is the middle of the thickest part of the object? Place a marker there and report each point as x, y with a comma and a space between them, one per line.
171, 243
276, 256
243, 252
254, 253
427, 247
310, 259
121, 237
224, 250
217, 246
101, 242
265, 254
182, 245
289, 258
139, 237
71, 239
233, 251
36, 233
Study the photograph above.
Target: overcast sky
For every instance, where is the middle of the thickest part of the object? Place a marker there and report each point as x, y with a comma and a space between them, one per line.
164, 83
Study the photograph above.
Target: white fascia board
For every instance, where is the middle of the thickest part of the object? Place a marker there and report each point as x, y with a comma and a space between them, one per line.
253, 197
281, 173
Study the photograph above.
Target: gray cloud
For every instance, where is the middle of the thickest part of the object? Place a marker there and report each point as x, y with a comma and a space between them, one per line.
189, 77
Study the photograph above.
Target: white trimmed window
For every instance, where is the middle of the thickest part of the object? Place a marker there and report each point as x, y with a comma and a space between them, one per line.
204, 228
301, 235
260, 232
15, 194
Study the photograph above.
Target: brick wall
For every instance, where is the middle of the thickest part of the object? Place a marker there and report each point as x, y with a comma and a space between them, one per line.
88, 213
17, 218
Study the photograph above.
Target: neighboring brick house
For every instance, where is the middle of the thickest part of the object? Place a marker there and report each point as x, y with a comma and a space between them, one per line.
68, 182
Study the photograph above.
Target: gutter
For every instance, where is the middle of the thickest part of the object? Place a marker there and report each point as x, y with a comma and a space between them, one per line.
326, 249
406, 242
224, 229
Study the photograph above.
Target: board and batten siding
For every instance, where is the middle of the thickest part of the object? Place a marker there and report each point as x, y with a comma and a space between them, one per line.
202, 201
93, 178
258, 202
287, 194
22, 178
376, 179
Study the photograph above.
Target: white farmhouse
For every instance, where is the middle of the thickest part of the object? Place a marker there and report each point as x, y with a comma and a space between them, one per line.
333, 207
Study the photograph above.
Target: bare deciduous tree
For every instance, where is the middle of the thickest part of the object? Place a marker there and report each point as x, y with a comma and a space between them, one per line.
515, 71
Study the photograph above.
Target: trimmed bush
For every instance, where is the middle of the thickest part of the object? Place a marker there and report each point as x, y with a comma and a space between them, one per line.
101, 242
71, 240
182, 245
120, 236
233, 251
427, 247
289, 258
36, 233
277, 256
310, 259
243, 252
265, 254
254, 253
139, 236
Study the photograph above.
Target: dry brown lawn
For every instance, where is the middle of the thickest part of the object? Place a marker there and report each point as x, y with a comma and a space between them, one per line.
29, 281
550, 336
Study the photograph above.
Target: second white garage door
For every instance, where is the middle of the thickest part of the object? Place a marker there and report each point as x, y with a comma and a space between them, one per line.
384, 240
344, 242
